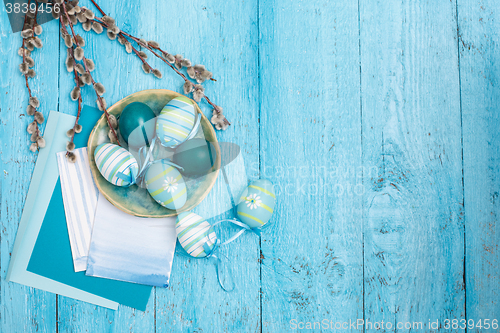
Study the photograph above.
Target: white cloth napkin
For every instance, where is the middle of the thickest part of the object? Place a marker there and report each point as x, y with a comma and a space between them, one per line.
130, 248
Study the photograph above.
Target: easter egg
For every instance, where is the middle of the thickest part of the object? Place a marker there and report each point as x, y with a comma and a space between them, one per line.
196, 156
166, 185
137, 124
175, 121
116, 164
256, 204
193, 232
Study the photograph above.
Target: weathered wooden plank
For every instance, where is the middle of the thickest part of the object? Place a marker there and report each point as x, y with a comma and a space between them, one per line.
410, 167
311, 149
479, 25
222, 36
23, 309
122, 75
413, 224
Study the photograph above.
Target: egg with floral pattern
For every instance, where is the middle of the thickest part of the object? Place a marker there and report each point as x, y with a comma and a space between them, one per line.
256, 203
166, 185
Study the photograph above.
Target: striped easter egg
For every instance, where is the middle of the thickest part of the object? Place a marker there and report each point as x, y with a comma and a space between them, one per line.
193, 232
166, 185
175, 121
116, 164
256, 204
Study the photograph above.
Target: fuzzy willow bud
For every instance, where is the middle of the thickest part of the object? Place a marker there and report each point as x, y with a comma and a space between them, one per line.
97, 27
71, 157
79, 53
99, 89
39, 117
75, 93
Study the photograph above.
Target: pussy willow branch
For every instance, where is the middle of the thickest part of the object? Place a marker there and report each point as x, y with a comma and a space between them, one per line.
122, 33
98, 8
141, 57
99, 98
79, 99
24, 55
37, 129
150, 49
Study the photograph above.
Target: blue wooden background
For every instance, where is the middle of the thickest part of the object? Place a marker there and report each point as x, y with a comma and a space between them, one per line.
377, 120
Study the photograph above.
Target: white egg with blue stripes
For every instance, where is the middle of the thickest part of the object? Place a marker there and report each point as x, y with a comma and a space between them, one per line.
195, 234
175, 122
116, 164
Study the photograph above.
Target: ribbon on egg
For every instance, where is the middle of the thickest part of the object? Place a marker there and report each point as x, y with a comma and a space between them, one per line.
200, 241
116, 164
146, 163
146, 156
177, 123
132, 178
216, 259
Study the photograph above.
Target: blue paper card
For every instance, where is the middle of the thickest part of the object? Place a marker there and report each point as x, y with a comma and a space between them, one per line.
52, 257
40, 191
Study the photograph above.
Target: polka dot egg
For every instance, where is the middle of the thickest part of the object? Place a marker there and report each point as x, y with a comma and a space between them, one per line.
194, 234
116, 164
175, 121
256, 204
166, 185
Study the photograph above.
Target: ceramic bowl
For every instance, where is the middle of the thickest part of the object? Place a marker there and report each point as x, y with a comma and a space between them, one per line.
134, 200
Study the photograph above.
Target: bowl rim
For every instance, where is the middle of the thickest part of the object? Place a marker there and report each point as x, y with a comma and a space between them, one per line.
204, 120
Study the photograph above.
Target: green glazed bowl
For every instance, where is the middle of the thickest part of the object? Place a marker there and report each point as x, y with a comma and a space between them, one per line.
134, 200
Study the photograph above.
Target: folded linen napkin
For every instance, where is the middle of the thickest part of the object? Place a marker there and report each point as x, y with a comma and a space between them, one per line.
80, 201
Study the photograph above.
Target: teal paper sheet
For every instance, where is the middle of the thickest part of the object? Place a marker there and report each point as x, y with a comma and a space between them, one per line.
42, 184
51, 256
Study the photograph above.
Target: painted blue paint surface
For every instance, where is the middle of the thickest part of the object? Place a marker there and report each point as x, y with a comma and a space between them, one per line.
378, 122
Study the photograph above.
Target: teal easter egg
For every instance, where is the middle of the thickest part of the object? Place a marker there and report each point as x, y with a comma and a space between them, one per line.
256, 204
195, 156
193, 232
137, 124
175, 121
116, 164
166, 185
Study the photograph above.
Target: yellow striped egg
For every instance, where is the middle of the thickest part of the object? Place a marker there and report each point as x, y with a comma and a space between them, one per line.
194, 234
166, 185
256, 203
116, 164
175, 121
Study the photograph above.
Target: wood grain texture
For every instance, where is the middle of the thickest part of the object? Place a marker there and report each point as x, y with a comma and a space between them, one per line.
413, 214
23, 309
356, 111
310, 132
479, 26
222, 36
